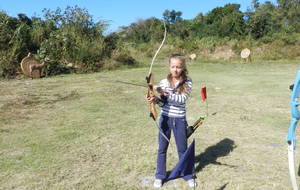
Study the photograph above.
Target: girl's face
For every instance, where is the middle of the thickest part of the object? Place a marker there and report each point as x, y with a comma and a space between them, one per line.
176, 67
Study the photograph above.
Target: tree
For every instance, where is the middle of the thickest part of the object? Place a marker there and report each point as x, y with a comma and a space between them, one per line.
172, 17
255, 4
289, 15
143, 31
225, 21
264, 21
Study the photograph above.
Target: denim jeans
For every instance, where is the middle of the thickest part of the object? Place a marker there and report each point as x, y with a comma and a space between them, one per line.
178, 126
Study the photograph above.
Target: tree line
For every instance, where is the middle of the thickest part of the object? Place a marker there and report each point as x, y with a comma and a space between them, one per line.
70, 40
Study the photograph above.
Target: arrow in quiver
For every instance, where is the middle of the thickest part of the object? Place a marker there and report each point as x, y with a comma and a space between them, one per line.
192, 129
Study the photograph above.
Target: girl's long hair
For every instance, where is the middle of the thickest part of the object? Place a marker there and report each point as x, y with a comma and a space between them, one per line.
182, 87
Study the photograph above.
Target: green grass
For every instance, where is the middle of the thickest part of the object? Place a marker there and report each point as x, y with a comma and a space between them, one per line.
86, 131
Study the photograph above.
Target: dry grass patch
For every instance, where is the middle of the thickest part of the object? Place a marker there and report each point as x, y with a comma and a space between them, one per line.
86, 132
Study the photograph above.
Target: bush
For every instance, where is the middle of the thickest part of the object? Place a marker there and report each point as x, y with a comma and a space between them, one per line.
123, 57
8, 66
211, 42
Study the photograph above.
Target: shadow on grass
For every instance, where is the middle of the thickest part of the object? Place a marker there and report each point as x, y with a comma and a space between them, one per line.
212, 153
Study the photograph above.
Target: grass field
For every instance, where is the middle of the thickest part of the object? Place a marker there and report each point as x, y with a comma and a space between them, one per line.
88, 131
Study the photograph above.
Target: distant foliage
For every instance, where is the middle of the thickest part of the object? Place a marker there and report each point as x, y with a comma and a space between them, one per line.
143, 31
70, 40
264, 23
172, 16
225, 21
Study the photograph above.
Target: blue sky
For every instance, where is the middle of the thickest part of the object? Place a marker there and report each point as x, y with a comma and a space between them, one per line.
121, 12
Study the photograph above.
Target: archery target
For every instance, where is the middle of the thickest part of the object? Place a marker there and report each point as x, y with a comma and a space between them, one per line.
25, 66
245, 53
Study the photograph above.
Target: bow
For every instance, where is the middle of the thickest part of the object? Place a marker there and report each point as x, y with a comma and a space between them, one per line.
291, 139
150, 92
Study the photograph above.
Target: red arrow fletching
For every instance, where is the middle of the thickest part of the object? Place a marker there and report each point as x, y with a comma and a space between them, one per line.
203, 94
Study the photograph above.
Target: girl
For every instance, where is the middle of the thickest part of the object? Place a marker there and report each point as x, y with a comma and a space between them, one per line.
174, 90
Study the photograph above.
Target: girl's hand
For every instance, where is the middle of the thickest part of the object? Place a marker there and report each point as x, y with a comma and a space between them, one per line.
151, 99
160, 90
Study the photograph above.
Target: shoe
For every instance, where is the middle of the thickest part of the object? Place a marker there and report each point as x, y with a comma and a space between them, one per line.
192, 183
157, 183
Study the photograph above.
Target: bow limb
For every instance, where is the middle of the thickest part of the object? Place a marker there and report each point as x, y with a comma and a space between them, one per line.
149, 79
291, 161
291, 139
161, 45
150, 92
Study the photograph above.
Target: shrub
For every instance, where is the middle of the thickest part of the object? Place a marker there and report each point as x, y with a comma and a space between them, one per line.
8, 66
123, 57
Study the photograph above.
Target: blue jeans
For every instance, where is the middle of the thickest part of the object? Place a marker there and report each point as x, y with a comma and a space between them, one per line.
178, 126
